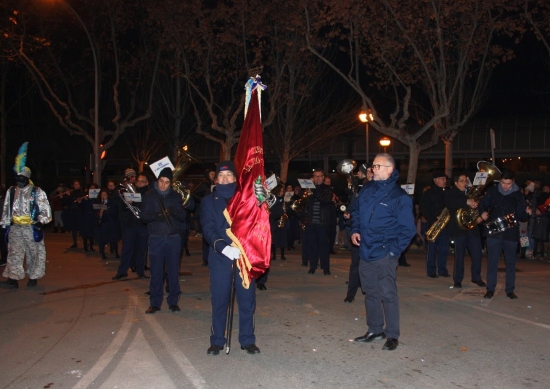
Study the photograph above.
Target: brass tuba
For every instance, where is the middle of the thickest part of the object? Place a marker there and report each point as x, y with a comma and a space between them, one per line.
467, 217
185, 160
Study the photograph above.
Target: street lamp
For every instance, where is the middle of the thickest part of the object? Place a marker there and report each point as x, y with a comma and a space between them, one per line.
385, 142
366, 117
97, 158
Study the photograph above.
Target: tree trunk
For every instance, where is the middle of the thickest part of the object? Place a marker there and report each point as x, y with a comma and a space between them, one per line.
284, 168
448, 157
414, 153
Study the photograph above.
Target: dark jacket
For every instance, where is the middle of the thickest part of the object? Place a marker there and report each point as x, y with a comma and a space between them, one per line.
454, 200
499, 205
383, 216
278, 235
152, 215
432, 203
322, 194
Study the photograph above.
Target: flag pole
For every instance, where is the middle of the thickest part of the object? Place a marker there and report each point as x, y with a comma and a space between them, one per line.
229, 321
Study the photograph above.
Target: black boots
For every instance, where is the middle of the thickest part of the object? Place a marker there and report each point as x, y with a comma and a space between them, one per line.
283, 258
9, 284
32, 283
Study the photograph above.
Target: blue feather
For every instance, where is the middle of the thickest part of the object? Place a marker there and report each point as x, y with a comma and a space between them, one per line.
21, 158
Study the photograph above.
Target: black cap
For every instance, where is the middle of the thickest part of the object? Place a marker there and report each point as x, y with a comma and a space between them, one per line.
166, 172
225, 166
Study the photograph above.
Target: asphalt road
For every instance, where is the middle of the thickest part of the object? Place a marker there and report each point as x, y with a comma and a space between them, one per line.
80, 329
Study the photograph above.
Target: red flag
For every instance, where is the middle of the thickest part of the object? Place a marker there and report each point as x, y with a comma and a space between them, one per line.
249, 222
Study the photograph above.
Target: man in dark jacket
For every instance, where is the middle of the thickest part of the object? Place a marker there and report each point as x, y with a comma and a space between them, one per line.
431, 205
382, 227
318, 219
134, 239
220, 257
455, 199
164, 214
502, 200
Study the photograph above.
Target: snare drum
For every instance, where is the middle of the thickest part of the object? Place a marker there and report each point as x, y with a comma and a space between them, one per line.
502, 224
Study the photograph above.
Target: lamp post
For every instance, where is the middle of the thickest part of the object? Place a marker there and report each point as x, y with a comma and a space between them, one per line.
97, 157
385, 142
366, 117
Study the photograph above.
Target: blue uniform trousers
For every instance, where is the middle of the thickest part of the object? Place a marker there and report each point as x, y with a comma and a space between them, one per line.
164, 251
354, 281
472, 242
381, 300
220, 290
317, 240
494, 247
439, 249
134, 248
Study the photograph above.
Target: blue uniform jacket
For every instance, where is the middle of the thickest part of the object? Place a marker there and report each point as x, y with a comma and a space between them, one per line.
151, 208
213, 221
383, 216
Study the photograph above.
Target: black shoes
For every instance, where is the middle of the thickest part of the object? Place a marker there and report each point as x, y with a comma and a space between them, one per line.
9, 284
326, 272
489, 295
444, 275
140, 276
261, 286
174, 308
32, 283
369, 337
103, 256
303, 264
479, 283
512, 295
73, 246
283, 258
391, 344
405, 264
119, 277
311, 271
457, 285
214, 349
251, 349
349, 299
187, 253
152, 309
433, 276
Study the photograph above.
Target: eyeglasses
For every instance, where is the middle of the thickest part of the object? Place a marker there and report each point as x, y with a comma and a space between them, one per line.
378, 166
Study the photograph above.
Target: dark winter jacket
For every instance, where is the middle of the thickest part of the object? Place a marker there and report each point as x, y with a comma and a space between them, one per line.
383, 217
152, 215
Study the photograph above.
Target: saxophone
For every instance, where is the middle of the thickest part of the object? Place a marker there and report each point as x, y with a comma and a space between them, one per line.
436, 228
283, 218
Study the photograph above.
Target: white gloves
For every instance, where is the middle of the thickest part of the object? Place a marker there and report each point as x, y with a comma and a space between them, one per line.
231, 252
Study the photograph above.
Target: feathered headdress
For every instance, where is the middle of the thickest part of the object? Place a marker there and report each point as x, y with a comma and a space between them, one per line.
21, 160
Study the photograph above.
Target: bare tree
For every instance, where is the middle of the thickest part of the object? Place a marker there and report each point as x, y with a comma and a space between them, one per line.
426, 53
131, 76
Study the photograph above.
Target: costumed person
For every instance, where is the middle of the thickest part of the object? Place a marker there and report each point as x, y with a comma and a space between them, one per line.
164, 214
233, 218
26, 209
